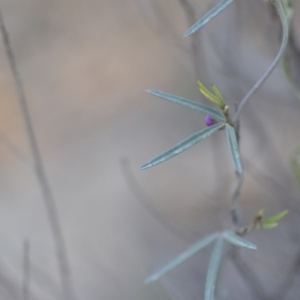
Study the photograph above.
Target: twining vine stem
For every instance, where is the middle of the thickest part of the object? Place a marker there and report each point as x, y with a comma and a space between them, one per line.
235, 211
285, 34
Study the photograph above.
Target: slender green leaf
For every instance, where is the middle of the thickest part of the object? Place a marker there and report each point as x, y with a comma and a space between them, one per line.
216, 91
215, 114
209, 16
193, 249
214, 98
207, 93
183, 145
269, 226
234, 149
275, 218
236, 240
213, 269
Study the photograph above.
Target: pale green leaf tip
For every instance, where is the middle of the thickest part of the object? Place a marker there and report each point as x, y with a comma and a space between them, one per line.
146, 166
192, 30
189, 252
276, 218
188, 33
238, 241
252, 246
269, 226
148, 280
208, 17
283, 214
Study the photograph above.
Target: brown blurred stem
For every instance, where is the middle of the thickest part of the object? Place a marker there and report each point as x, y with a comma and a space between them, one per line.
15, 150
40, 171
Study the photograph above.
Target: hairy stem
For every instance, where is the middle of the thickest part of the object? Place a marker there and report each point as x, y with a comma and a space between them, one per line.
285, 34
40, 171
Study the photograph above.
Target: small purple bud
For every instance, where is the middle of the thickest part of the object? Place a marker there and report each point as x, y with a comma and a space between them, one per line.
209, 121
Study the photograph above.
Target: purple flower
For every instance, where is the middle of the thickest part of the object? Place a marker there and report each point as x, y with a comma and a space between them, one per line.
209, 121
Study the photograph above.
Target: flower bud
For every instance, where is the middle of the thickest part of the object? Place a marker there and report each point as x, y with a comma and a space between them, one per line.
209, 121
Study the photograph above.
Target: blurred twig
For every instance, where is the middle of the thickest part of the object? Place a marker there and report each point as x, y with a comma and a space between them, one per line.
15, 150
165, 30
40, 171
190, 13
250, 278
145, 200
282, 193
26, 271
289, 280
9, 288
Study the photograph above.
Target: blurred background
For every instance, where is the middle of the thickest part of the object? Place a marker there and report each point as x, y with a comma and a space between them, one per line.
85, 67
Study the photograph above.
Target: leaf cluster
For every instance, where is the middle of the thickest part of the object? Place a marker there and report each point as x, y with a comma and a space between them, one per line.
220, 115
215, 258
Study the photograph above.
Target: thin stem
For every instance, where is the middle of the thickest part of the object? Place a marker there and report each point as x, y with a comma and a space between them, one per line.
40, 171
190, 13
235, 210
285, 34
26, 271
